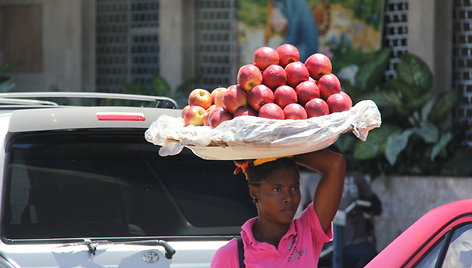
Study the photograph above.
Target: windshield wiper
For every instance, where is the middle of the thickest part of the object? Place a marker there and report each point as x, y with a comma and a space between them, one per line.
92, 245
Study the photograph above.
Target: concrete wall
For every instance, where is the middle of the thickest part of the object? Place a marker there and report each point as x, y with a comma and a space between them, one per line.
406, 199
68, 52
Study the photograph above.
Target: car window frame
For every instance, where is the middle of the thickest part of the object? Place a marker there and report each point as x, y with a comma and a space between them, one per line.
449, 227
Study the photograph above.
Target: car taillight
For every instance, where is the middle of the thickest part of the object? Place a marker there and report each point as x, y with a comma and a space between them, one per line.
120, 116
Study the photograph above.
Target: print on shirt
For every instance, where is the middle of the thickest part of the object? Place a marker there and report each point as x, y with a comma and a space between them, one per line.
296, 254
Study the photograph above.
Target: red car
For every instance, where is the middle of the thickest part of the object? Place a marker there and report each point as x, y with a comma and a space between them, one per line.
441, 238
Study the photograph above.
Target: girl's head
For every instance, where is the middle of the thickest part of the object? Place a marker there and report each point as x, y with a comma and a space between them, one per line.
274, 185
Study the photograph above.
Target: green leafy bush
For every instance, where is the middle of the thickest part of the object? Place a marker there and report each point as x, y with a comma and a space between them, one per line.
417, 135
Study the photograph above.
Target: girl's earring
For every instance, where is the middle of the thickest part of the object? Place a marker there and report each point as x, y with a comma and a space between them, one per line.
254, 201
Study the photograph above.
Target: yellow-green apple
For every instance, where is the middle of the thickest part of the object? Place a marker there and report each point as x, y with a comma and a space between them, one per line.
306, 91
287, 54
316, 107
194, 116
295, 111
296, 73
274, 76
200, 97
206, 121
271, 111
265, 56
217, 96
328, 84
284, 95
234, 97
218, 116
249, 76
339, 102
318, 65
259, 96
184, 110
245, 110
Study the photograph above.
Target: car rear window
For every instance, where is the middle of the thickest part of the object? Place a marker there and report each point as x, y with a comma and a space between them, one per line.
102, 184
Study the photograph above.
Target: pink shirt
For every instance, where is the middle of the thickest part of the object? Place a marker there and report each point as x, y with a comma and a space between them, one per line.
299, 247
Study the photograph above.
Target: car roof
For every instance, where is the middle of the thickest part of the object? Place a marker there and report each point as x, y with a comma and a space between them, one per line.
400, 250
85, 117
38, 111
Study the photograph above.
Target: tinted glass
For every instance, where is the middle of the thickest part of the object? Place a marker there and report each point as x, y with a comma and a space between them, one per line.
99, 184
459, 253
429, 260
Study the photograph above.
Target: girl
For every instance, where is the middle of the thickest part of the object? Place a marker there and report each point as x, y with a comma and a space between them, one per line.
274, 238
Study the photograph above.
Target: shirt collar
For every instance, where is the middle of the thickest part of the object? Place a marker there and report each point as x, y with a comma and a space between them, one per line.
248, 236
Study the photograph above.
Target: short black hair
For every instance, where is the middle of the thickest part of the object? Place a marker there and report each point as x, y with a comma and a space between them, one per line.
255, 174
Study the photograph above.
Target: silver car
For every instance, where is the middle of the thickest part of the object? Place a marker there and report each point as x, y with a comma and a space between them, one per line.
81, 187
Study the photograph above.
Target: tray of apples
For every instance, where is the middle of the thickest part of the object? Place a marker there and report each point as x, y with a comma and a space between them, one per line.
279, 106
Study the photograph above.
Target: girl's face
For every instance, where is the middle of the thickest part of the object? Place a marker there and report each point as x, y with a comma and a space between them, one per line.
278, 195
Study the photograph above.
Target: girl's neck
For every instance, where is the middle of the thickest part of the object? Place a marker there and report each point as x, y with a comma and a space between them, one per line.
269, 232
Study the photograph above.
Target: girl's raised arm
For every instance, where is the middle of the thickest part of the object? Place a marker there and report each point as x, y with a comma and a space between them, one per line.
332, 166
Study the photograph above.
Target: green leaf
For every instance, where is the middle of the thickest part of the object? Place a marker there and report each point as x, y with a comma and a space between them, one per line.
443, 105
427, 131
409, 93
386, 98
402, 87
345, 143
188, 85
347, 87
419, 103
160, 86
371, 73
395, 145
412, 70
375, 143
461, 162
439, 147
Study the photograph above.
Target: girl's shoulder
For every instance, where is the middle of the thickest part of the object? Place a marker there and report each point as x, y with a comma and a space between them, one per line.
227, 255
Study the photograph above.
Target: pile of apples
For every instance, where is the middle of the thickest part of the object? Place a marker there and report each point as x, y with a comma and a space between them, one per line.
277, 85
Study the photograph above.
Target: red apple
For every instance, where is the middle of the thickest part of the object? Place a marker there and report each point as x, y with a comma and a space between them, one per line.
218, 116
306, 91
316, 107
339, 102
287, 54
318, 65
265, 56
295, 111
284, 95
194, 116
249, 76
234, 97
259, 96
271, 111
217, 96
184, 110
200, 97
206, 121
328, 84
274, 76
245, 110
296, 73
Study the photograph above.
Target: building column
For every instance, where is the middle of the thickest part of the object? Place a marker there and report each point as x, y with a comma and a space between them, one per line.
430, 37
